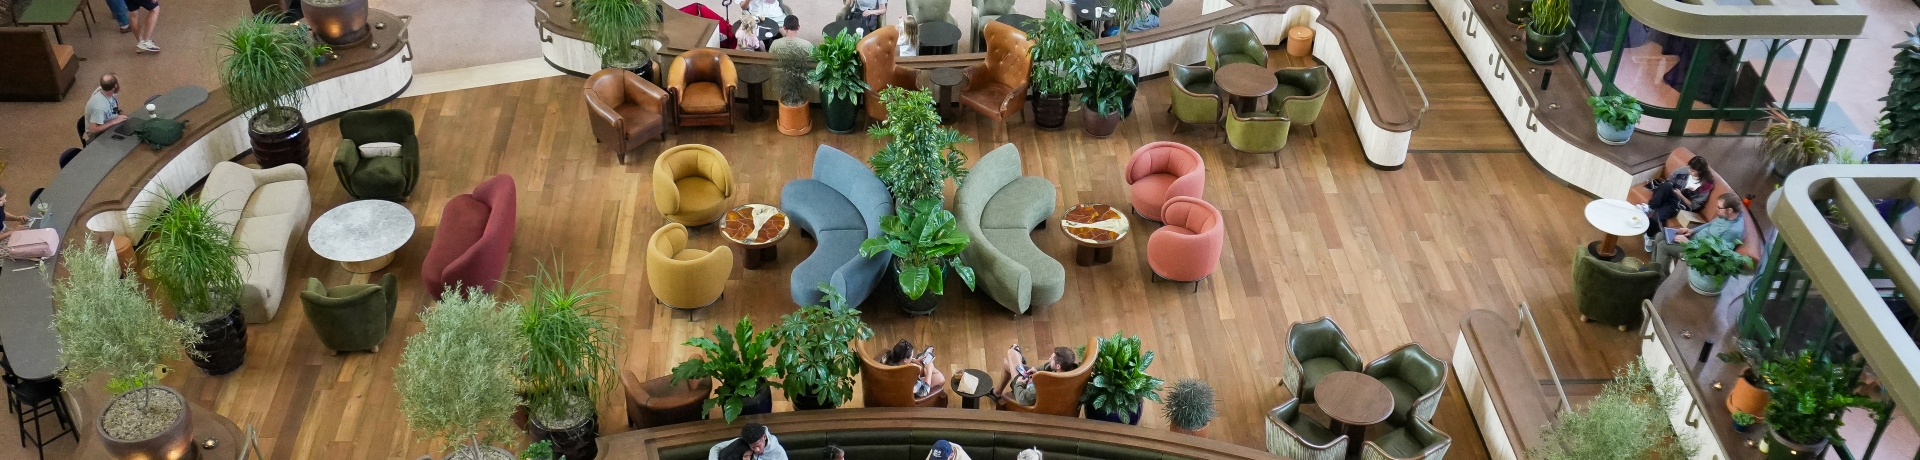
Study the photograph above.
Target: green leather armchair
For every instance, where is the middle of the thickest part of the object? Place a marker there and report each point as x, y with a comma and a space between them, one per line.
1233, 43
352, 317
1196, 99
985, 12
1292, 434
1258, 133
925, 11
1314, 350
1301, 94
377, 178
1415, 378
1413, 441
1611, 292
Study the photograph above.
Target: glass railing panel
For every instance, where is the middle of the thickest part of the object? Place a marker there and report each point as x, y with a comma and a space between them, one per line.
1403, 78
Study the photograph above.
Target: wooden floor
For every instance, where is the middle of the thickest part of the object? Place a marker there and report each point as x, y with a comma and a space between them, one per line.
1394, 257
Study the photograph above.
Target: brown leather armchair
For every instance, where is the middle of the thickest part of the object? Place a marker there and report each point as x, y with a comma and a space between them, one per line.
997, 87
878, 51
625, 110
1058, 393
892, 386
659, 402
702, 83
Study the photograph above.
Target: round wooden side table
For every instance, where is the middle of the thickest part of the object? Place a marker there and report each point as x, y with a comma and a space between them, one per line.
945, 78
757, 228
1246, 83
972, 400
1354, 401
1097, 228
938, 38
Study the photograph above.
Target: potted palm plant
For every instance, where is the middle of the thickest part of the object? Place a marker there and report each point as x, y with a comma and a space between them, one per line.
569, 360
1627, 420
790, 66
1614, 116
1547, 30
615, 27
1120, 381
1792, 145
1063, 54
192, 257
836, 73
457, 376
738, 361
919, 155
817, 361
1105, 99
336, 22
1710, 260
1810, 393
106, 323
264, 70
1189, 407
925, 241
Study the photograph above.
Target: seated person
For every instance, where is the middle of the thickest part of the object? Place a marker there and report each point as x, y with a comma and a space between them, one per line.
1728, 225
1029, 454
791, 27
1016, 381
1687, 189
945, 450
834, 452
754, 443
931, 379
746, 35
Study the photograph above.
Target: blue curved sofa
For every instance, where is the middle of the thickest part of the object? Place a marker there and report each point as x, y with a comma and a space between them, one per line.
840, 207
998, 209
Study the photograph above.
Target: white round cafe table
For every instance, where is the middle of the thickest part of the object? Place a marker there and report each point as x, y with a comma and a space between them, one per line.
1615, 218
361, 235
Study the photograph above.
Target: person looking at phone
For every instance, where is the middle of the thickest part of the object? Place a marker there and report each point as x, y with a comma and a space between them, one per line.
1016, 381
931, 379
1727, 225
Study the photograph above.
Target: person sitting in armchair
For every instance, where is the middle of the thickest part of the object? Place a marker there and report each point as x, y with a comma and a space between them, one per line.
1727, 225
931, 379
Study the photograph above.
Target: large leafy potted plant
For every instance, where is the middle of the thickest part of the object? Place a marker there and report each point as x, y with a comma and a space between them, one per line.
1547, 30
1105, 99
919, 155
1792, 145
1614, 116
1810, 393
1748, 395
790, 67
456, 377
1063, 54
817, 361
106, 323
1190, 407
569, 360
613, 27
1628, 420
1899, 131
836, 73
925, 241
1120, 381
738, 361
192, 257
264, 70
336, 22
1710, 260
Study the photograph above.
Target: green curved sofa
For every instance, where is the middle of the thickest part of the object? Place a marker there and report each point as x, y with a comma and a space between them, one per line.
998, 209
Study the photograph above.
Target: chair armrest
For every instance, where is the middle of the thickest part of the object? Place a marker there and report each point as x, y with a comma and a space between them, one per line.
666, 196
645, 93
729, 77
605, 112
972, 74
346, 159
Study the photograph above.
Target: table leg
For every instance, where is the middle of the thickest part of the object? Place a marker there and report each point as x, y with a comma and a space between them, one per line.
969, 402
752, 259
56, 35
1103, 255
1356, 436
1245, 104
1609, 246
944, 105
1084, 256
368, 266
756, 108
769, 254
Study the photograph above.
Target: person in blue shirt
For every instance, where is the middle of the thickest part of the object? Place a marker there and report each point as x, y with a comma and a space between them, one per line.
1729, 224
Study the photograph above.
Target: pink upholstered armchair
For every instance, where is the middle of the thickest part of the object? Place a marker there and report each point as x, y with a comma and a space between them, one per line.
1187, 248
1163, 170
470, 246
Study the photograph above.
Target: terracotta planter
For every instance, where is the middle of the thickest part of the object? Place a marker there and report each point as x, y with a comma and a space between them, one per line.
796, 120
225, 347
1100, 125
337, 22
1745, 397
1050, 111
1201, 432
176, 441
275, 146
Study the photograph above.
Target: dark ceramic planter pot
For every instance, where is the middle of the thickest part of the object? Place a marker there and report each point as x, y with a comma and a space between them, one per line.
761, 403
1130, 418
842, 116
806, 401
575, 442
1050, 111
337, 22
1125, 63
225, 347
925, 305
177, 437
1099, 125
1782, 449
1544, 49
287, 145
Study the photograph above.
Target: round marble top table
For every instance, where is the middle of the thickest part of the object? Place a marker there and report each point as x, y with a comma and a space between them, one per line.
361, 235
1096, 227
1616, 218
756, 228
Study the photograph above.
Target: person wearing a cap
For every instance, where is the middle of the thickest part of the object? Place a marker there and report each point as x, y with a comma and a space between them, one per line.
946, 450
755, 443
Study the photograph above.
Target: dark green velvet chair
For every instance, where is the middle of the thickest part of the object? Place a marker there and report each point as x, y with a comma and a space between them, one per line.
379, 178
1233, 43
352, 317
1611, 292
1415, 378
1301, 95
1314, 350
1196, 99
1413, 441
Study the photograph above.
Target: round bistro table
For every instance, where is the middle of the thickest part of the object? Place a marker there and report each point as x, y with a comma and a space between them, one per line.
1246, 83
938, 38
1097, 228
972, 400
1354, 401
1615, 218
757, 228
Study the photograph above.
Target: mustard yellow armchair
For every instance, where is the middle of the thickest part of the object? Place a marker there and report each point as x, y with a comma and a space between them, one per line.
682, 277
691, 184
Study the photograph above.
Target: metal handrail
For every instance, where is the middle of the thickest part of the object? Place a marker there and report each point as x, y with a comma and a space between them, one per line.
1526, 316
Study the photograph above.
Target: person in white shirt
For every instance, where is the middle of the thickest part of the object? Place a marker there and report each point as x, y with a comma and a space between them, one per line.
909, 36
755, 443
763, 8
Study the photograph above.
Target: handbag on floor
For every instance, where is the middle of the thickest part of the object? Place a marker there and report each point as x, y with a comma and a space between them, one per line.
33, 244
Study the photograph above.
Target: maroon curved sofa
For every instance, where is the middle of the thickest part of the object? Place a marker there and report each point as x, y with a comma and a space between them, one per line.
470, 245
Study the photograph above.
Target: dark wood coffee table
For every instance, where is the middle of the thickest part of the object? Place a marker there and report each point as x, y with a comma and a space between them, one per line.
972, 400
757, 228
939, 37
1097, 228
1246, 83
1354, 401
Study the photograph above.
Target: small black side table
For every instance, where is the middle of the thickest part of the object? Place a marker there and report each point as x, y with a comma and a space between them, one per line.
836, 27
972, 400
939, 37
755, 77
946, 78
1018, 21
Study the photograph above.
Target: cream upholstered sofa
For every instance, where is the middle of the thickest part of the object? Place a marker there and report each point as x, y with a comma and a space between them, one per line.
267, 209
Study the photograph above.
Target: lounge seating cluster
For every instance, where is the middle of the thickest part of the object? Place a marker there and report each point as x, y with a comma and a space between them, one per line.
267, 209
1413, 379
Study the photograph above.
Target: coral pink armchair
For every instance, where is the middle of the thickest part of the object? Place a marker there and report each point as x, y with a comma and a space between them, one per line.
1188, 247
1163, 170
470, 245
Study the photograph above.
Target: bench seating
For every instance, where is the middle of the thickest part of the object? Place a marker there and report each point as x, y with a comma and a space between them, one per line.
1751, 246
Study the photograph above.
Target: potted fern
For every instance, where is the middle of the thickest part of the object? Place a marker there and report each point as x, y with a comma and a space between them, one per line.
1614, 117
1710, 260
1063, 56
106, 323
836, 73
1791, 145
570, 359
1627, 420
457, 376
792, 59
1105, 99
193, 258
738, 361
925, 241
1547, 30
817, 361
264, 68
1120, 382
1190, 407
615, 26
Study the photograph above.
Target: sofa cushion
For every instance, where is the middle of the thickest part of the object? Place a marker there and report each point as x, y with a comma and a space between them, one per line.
689, 254
1151, 191
686, 452
1403, 395
703, 97
264, 234
834, 249
263, 277
1049, 277
699, 196
817, 207
277, 198
381, 174
1311, 430
1023, 203
1398, 443
1314, 369
379, 149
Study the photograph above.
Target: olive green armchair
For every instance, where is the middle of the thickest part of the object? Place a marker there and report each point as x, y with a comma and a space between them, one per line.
1417, 440
1611, 292
1314, 350
925, 11
1301, 94
1232, 43
1196, 99
352, 317
388, 178
1258, 133
1292, 434
1415, 378
985, 12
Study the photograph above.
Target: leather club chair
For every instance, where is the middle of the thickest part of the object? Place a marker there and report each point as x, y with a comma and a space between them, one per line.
1415, 378
1058, 393
470, 245
987, 12
660, 402
1301, 94
882, 385
685, 278
1315, 349
1292, 434
378, 178
1611, 292
1234, 43
1163, 170
1414, 441
691, 184
701, 82
1258, 133
626, 110
1187, 248
1196, 99
352, 317
878, 51
997, 87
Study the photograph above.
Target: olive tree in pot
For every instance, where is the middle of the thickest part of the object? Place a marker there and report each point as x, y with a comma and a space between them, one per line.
456, 377
1190, 408
193, 258
1810, 393
569, 360
265, 71
1614, 117
106, 323
1627, 420
791, 61
1063, 55
1120, 381
1710, 260
817, 361
836, 73
615, 27
1547, 30
336, 22
1792, 145
925, 241
1108, 90
737, 360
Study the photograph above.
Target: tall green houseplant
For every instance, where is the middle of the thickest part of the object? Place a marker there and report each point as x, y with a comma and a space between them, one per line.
1899, 130
1063, 57
613, 26
457, 377
193, 258
570, 359
924, 240
1628, 421
1809, 395
920, 154
1120, 380
836, 73
817, 361
738, 360
266, 64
